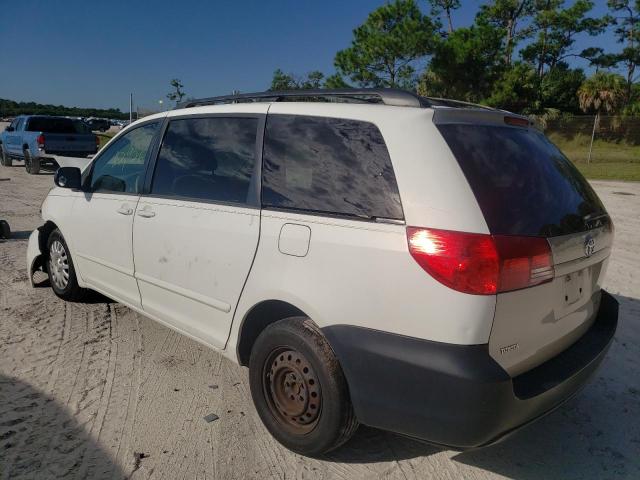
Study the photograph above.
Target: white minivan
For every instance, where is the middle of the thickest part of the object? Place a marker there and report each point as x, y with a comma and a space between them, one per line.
424, 266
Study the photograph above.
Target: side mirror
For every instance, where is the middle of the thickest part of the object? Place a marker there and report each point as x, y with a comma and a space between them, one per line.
68, 177
9, 129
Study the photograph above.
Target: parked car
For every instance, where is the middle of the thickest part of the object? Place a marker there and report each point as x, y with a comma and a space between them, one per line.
424, 266
98, 124
37, 140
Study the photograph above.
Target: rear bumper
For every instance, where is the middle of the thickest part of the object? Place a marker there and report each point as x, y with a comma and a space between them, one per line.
457, 395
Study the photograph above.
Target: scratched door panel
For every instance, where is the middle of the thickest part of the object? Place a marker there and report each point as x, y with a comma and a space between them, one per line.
191, 262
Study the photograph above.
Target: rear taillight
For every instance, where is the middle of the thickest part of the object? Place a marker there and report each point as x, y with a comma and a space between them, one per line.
524, 261
40, 141
481, 264
516, 121
97, 141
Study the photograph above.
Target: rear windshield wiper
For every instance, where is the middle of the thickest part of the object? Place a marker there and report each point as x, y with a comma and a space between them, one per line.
359, 216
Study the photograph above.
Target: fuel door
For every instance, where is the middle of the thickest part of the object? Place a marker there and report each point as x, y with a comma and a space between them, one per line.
294, 239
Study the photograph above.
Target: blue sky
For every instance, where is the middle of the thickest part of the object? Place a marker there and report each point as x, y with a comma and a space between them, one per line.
92, 54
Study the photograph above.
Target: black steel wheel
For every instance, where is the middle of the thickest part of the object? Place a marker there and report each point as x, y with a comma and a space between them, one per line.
292, 390
299, 389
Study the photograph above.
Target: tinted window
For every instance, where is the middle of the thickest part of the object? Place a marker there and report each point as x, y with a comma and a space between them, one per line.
523, 183
120, 168
207, 158
328, 165
55, 125
20, 124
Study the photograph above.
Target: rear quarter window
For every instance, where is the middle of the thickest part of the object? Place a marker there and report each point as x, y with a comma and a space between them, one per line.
328, 165
522, 182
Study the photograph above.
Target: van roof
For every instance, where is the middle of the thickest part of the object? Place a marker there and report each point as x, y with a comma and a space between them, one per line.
386, 96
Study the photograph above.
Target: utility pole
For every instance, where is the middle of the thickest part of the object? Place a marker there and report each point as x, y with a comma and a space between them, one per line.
130, 107
593, 134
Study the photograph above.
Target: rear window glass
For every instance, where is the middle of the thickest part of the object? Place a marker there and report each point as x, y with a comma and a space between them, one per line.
328, 165
523, 183
56, 125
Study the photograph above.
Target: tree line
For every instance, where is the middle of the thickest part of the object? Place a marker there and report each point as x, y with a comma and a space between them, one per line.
9, 108
516, 55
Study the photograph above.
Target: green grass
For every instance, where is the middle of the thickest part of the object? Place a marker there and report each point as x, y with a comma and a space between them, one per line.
609, 160
104, 138
611, 171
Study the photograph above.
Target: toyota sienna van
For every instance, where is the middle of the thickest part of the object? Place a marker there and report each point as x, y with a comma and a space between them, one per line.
424, 266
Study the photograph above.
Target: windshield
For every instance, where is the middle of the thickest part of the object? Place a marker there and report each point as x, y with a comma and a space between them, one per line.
523, 183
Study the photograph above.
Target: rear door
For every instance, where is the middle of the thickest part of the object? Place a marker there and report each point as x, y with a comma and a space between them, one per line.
102, 230
196, 232
526, 187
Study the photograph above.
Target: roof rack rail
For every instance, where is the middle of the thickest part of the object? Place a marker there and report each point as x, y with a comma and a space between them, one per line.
388, 96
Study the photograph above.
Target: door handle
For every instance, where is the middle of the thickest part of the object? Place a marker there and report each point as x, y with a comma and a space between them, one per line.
124, 210
146, 213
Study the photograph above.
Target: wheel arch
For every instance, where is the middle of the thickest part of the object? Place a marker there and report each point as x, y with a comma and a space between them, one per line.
43, 237
36, 259
257, 319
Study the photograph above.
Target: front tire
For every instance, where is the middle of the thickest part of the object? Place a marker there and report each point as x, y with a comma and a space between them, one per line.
32, 165
5, 159
62, 273
298, 388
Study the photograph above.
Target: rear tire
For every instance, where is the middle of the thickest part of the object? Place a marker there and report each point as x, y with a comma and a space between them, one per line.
32, 165
5, 159
62, 273
298, 388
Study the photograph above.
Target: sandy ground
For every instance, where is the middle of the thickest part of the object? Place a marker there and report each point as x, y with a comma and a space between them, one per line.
94, 390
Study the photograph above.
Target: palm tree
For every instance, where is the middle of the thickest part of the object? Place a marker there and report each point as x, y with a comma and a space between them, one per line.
601, 92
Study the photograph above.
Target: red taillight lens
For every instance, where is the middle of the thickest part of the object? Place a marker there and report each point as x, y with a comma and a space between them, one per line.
516, 121
481, 264
466, 262
40, 141
525, 261
97, 141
